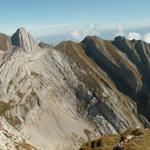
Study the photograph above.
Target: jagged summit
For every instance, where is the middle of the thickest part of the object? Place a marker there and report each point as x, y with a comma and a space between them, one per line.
91, 38
22, 39
120, 38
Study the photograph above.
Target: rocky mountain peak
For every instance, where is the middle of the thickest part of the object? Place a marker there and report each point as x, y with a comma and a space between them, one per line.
120, 38
87, 39
122, 42
22, 39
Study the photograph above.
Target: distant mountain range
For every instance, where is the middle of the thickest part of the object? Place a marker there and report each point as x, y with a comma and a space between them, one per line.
105, 34
50, 94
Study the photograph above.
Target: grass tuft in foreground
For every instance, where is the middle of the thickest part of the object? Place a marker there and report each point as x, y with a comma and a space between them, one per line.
132, 139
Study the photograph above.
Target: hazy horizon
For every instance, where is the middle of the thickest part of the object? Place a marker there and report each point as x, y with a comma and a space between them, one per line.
54, 21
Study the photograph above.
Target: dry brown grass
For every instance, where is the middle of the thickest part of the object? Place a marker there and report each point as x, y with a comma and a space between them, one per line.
104, 143
25, 146
114, 52
4, 42
94, 75
140, 141
13, 120
76, 53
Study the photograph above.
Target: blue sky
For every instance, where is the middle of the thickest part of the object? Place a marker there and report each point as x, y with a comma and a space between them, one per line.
76, 18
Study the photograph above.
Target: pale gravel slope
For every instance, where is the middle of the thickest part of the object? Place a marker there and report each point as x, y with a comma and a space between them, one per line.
40, 96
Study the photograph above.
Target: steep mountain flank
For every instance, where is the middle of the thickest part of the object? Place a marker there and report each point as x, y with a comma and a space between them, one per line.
126, 64
120, 69
129, 71
24, 40
102, 104
139, 53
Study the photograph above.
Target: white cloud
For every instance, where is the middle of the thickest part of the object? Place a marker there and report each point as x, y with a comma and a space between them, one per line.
80, 34
134, 35
120, 31
147, 37
76, 34
91, 30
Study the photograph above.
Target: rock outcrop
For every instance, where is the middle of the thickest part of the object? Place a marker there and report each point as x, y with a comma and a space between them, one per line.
11, 139
24, 40
44, 45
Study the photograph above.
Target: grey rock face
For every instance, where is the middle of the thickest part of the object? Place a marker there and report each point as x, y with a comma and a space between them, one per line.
144, 52
24, 40
139, 53
38, 100
118, 67
44, 45
127, 47
98, 97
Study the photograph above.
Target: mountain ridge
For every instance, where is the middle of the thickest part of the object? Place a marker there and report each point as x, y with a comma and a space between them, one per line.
57, 92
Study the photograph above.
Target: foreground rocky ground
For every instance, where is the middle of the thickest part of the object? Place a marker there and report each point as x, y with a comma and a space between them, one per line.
11, 139
133, 139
